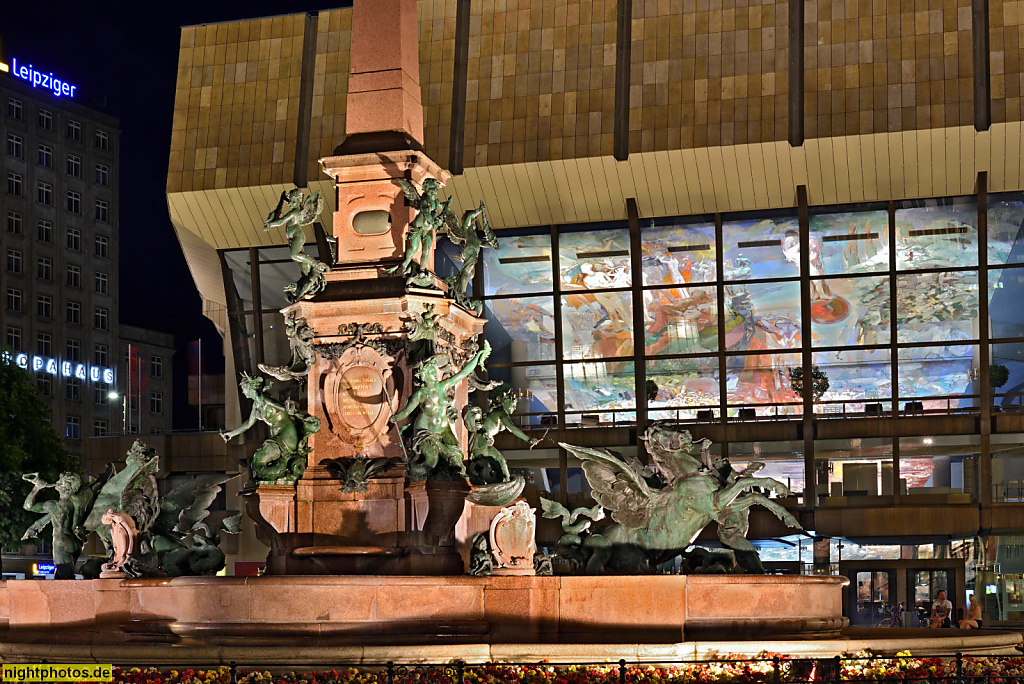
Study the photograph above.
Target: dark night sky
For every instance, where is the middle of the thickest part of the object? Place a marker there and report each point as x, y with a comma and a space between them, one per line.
123, 57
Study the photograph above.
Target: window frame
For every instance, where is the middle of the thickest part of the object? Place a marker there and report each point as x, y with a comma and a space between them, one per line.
15, 146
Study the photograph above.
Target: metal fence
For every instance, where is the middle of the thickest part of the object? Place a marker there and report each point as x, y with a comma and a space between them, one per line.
901, 669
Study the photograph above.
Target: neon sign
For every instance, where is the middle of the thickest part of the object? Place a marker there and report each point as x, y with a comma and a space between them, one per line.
40, 80
43, 568
66, 369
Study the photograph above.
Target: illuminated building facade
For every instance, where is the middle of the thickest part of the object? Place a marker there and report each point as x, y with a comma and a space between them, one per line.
59, 207
691, 204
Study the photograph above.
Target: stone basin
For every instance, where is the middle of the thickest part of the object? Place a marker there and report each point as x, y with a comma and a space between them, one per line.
334, 610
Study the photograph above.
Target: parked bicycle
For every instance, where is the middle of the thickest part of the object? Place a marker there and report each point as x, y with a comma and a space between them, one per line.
891, 616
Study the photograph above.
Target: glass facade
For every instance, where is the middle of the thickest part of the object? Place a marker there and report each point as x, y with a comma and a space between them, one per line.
724, 308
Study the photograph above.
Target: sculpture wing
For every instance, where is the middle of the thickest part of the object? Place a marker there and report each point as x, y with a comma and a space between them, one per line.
409, 190
111, 493
189, 504
456, 232
311, 208
490, 239
616, 486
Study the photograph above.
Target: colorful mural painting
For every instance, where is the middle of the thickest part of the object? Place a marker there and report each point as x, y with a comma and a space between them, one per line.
752, 310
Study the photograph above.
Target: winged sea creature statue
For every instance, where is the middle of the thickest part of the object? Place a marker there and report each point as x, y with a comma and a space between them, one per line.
662, 519
172, 535
291, 214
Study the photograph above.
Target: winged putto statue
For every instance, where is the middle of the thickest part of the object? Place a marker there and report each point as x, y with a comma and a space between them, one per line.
291, 214
659, 513
431, 214
473, 233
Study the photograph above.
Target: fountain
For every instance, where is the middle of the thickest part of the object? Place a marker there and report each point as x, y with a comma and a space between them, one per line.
358, 493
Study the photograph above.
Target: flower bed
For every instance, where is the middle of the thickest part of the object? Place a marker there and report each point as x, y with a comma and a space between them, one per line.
903, 668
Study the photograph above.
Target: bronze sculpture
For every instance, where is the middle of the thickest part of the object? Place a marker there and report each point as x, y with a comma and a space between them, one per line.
467, 235
291, 214
65, 515
435, 450
300, 340
282, 458
431, 214
657, 518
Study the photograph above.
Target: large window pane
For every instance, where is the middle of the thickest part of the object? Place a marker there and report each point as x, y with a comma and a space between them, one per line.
537, 387
852, 311
238, 263
1006, 302
762, 316
593, 260
597, 325
783, 461
859, 467
681, 320
849, 242
682, 386
448, 258
605, 387
276, 350
520, 329
521, 264
936, 233
939, 465
1010, 355
762, 247
1005, 219
937, 375
937, 306
678, 254
856, 377
762, 379
276, 271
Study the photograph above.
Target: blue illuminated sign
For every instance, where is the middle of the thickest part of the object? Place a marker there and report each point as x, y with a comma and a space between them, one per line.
67, 369
40, 80
43, 568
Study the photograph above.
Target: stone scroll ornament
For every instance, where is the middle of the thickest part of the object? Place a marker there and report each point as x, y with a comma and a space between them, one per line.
359, 394
291, 214
513, 539
282, 458
658, 514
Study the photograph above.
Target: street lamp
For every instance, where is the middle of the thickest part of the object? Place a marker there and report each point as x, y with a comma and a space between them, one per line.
113, 396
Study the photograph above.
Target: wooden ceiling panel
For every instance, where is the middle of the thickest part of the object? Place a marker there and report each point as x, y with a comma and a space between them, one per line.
940, 162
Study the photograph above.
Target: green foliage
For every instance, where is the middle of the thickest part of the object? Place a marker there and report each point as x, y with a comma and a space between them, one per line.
28, 444
819, 381
998, 375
